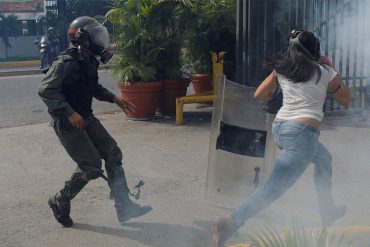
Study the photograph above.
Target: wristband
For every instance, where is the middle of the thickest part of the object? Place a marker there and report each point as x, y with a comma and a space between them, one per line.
337, 89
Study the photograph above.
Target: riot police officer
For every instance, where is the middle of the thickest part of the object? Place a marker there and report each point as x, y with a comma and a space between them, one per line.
54, 44
68, 89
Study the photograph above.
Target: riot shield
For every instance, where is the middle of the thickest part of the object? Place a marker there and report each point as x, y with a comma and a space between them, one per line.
241, 152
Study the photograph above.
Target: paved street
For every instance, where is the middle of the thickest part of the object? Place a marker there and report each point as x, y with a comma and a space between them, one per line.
172, 161
20, 104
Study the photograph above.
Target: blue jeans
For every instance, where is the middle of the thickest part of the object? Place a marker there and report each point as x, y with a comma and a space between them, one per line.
299, 146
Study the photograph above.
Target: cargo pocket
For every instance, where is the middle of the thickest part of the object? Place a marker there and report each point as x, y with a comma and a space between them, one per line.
54, 122
61, 124
65, 124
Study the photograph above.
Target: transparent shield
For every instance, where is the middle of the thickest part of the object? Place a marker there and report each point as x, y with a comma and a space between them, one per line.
241, 152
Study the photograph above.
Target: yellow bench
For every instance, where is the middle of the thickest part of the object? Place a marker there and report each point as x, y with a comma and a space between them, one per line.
208, 97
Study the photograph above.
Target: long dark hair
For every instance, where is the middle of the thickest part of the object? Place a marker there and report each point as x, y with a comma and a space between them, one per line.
302, 59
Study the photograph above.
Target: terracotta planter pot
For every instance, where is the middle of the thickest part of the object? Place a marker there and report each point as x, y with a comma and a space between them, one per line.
144, 96
201, 83
171, 89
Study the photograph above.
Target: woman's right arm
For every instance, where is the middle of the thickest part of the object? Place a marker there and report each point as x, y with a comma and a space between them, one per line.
339, 91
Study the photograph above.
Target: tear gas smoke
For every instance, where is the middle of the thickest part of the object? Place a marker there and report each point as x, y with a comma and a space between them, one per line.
345, 36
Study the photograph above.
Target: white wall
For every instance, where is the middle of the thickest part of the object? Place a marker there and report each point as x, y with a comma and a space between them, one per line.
22, 46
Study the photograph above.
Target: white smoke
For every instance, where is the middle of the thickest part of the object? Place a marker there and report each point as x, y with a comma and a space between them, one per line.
346, 40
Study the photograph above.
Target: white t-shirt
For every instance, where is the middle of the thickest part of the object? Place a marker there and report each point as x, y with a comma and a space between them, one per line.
305, 99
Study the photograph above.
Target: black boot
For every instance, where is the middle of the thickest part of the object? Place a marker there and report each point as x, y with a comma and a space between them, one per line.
61, 202
61, 210
130, 209
126, 209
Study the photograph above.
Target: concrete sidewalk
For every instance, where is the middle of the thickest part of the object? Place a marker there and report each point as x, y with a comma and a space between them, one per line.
172, 161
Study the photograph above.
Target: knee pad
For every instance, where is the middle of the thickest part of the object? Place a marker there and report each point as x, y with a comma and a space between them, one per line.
91, 173
94, 173
91, 169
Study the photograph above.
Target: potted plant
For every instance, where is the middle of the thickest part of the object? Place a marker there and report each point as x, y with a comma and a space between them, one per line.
170, 18
148, 43
136, 51
213, 28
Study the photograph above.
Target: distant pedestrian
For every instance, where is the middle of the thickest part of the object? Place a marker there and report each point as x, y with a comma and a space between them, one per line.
305, 78
68, 89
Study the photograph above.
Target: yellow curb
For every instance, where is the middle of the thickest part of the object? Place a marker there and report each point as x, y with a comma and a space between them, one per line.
240, 245
350, 229
19, 63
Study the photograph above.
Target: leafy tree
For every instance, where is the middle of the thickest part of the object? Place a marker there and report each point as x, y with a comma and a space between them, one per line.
9, 27
211, 27
147, 39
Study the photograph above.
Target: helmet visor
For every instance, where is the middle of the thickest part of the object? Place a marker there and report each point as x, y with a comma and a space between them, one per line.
98, 35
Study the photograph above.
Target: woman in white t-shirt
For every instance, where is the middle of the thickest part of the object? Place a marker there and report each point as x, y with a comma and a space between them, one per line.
305, 78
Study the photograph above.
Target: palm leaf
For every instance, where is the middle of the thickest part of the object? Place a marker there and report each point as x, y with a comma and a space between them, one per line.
296, 235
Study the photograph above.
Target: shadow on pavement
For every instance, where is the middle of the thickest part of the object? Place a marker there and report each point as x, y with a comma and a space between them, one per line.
156, 234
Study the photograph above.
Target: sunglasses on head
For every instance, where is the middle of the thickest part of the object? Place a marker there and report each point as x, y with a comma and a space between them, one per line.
295, 33
294, 38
